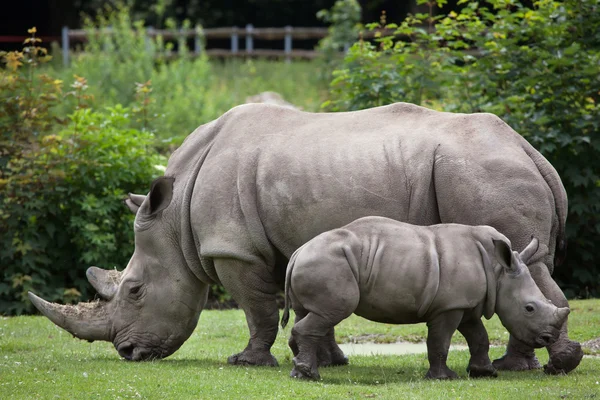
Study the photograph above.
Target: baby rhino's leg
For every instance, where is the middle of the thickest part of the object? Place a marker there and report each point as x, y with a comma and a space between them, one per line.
325, 290
480, 364
440, 331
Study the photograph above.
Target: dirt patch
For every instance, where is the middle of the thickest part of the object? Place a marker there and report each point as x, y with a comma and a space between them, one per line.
592, 346
380, 338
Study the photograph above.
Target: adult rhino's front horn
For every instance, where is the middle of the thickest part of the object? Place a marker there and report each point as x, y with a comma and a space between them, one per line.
88, 321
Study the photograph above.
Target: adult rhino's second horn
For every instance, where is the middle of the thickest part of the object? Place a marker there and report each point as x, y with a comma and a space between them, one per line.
105, 281
87, 321
561, 315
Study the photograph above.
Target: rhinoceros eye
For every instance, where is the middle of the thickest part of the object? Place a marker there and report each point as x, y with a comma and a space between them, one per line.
529, 308
135, 291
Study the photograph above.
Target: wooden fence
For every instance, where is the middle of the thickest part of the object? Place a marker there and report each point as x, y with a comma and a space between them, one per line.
288, 34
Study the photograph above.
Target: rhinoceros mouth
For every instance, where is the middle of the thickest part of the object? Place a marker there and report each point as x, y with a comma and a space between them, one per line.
132, 353
132, 350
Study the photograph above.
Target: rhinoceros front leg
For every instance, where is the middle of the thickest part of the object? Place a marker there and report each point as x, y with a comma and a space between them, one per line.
440, 330
254, 289
565, 354
477, 339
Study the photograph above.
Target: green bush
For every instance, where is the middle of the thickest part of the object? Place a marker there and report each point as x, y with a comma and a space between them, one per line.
537, 68
62, 206
62, 183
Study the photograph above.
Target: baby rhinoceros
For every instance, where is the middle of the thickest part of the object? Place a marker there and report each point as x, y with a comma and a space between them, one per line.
393, 272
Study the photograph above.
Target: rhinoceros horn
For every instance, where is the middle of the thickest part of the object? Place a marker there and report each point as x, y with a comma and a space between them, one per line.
106, 282
529, 251
87, 321
561, 314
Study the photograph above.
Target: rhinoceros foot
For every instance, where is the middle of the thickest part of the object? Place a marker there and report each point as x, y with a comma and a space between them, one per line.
516, 362
566, 359
482, 371
303, 370
253, 357
445, 373
331, 357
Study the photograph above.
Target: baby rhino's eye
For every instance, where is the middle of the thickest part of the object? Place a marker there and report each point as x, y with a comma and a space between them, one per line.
529, 308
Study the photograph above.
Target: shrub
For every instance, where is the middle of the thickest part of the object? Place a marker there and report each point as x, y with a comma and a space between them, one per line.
62, 183
537, 68
62, 206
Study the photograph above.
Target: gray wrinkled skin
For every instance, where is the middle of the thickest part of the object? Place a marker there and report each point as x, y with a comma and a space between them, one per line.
243, 192
393, 272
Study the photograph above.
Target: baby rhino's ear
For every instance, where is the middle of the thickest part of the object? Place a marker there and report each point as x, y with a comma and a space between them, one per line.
505, 256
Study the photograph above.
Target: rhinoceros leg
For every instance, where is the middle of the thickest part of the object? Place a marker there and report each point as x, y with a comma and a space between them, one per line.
477, 339
565, 354
440, 331
254, 289
329, 353
308, 334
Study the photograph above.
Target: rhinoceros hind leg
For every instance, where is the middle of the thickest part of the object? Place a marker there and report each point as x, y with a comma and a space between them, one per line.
440, 331
518, 357
254, 289
329, 353
308, 335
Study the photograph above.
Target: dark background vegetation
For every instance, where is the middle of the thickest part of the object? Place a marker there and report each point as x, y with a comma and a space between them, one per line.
50, 16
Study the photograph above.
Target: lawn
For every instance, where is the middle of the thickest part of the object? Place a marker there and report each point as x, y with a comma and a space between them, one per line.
39, 360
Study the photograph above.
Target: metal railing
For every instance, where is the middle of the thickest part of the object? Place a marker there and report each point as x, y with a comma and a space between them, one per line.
288, 34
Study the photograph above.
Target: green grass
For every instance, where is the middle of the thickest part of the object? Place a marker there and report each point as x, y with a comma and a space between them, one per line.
39, 360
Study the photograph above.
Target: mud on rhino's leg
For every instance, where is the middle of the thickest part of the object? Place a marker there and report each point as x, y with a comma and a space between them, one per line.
254, 289
477, 338
440, 331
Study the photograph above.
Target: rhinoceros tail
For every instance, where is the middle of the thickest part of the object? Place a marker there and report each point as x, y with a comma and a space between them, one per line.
560, 199
288, 278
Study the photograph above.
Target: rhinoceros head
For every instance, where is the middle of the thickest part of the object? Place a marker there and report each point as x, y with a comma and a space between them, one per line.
150, 308
520, 304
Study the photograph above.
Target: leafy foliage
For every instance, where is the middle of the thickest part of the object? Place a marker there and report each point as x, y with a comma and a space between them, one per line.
537, 68
62, 183
344, 20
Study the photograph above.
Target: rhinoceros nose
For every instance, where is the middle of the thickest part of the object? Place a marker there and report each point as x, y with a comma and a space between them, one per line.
545, 339
126, 350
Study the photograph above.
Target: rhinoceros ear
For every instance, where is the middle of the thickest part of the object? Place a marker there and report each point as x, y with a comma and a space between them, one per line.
134, 201
529, 251
161, 194
505, 257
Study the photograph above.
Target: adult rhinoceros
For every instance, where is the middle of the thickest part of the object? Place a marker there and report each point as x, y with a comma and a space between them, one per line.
243, 192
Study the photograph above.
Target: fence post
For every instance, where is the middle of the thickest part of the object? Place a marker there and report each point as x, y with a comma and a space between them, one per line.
249, 39
65, 45
199, 35
148, 38
287, 43
234, 40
